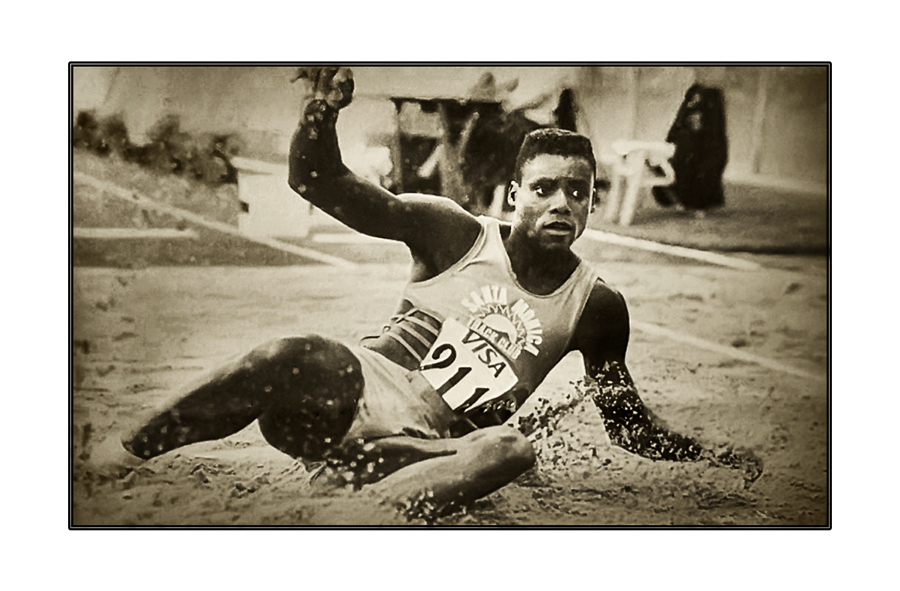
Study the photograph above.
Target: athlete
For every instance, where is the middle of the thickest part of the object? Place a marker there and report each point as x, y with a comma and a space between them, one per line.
418, 411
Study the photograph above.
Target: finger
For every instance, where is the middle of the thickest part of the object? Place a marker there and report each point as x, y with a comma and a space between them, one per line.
304, 73
341, 88
342, 75
324, 79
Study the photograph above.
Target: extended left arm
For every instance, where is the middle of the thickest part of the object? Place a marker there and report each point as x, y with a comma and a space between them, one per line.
629, 423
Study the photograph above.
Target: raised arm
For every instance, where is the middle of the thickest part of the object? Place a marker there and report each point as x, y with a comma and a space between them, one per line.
602, 337
437, 230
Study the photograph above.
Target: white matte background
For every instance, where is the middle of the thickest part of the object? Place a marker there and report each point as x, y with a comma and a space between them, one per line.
41, 40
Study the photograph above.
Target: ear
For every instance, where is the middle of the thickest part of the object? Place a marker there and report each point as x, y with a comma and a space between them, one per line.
594, 199
511, 193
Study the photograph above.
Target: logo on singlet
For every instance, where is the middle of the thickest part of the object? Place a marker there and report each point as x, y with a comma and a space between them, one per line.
511, 328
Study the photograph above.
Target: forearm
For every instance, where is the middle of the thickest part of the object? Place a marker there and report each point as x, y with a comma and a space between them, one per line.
318, 174
648, 439
631, 425
315, 156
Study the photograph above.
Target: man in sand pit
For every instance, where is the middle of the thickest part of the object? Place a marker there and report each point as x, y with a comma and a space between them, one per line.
418, 411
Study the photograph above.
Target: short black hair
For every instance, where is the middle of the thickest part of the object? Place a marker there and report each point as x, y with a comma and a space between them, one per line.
556, 142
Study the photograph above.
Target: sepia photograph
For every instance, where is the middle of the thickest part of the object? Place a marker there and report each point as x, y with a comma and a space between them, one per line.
434, 295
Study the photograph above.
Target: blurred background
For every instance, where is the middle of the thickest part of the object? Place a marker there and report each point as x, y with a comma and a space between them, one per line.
755, 157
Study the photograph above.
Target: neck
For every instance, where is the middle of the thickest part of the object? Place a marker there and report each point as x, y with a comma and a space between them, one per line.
537, 269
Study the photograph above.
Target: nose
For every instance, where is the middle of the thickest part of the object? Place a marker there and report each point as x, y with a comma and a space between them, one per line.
560, 201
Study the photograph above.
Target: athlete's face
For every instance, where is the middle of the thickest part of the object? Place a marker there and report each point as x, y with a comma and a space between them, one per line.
554, 199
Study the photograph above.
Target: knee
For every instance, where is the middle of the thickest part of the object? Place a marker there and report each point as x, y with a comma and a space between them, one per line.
283, 348
310, 356
308, 365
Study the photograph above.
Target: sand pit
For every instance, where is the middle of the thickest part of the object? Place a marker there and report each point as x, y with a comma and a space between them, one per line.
139, 333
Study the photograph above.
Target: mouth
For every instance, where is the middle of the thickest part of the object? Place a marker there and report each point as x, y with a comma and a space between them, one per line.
559, 227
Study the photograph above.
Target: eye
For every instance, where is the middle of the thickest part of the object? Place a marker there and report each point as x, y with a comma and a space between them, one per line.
540, 189
579, 193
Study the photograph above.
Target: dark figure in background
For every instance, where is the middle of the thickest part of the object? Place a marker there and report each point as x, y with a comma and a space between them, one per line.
701, 152
566, 112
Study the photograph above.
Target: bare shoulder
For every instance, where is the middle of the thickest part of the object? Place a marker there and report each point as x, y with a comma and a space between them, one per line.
604, 300
604, 322
438, 232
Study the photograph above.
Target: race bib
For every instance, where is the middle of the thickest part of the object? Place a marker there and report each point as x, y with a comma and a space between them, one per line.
465, 368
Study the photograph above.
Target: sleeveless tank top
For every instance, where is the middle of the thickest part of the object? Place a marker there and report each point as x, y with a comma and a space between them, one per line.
483, 342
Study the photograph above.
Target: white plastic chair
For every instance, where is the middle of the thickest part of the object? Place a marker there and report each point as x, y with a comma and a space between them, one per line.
630, 167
